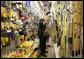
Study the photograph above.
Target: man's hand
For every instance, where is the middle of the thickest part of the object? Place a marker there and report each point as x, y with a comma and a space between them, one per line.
44, 22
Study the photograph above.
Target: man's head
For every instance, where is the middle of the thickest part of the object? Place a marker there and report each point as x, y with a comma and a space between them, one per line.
48, 18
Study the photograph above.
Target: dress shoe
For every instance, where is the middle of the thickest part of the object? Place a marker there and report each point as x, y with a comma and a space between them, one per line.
46, 48
46, 51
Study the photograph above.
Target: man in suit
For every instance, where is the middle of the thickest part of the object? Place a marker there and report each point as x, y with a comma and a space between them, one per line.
42, 37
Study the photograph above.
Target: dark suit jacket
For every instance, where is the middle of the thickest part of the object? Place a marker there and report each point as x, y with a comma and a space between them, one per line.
41, 28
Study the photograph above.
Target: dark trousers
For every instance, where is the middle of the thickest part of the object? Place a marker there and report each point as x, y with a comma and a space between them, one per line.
45, 42
42, 44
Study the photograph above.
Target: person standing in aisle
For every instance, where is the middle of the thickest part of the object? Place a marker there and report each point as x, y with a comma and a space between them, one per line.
41, 29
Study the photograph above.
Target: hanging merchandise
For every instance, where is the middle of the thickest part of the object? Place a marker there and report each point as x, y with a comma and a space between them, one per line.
77, 28
23, 6
73, 29
67, 34
63, 6
58, 8
81, 19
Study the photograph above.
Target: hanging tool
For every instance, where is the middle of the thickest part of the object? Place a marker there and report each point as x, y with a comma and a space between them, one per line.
73, 29
68, 34
66, 41
80, 44
77, 20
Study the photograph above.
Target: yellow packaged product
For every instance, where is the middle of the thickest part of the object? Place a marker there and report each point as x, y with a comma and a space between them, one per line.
58, 8
36, 45
3, 43
3, 10
27, 52
15, 26
14, 14
20, 46
26, 37
9, 14
6, 39
10, 54
34, 55
5, 55
6, 25
52, 35
2, 39
21, 37
2, 25
9, 5
4, 15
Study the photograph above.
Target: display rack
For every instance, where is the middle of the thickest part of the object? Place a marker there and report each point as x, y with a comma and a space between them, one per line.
27, 56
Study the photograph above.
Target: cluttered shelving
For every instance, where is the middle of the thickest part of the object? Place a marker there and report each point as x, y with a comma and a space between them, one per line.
20, 22
12, 23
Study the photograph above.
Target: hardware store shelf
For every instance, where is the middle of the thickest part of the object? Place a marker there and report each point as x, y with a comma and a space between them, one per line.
27, 56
